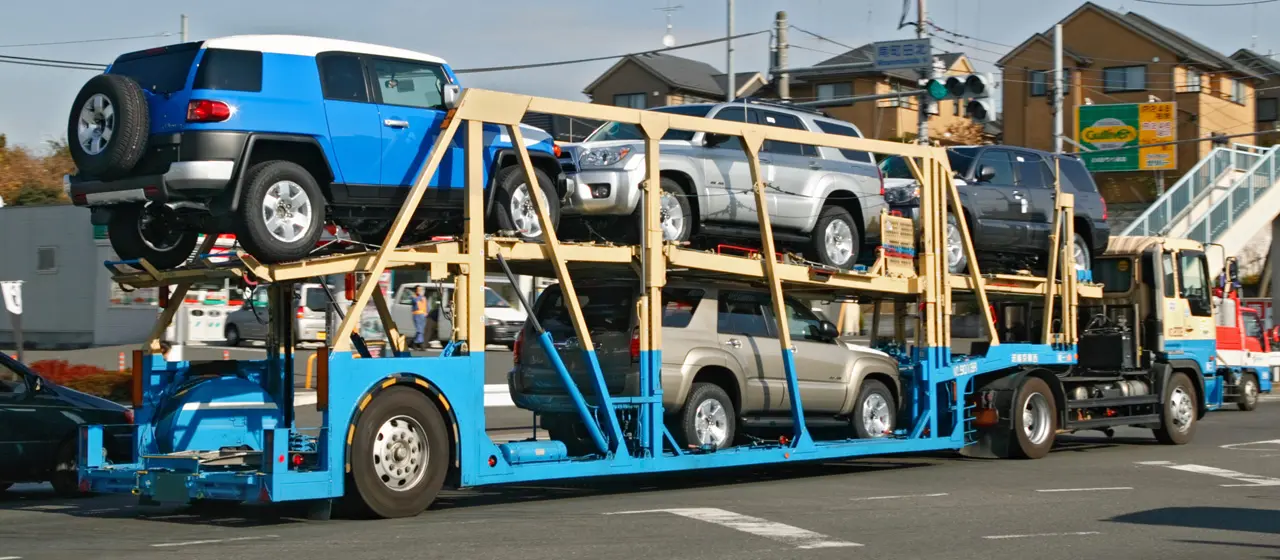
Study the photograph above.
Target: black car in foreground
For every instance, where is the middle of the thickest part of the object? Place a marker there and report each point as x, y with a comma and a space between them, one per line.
1008, 199
39, 422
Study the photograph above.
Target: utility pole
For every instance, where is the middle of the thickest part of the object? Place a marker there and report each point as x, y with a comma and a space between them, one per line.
922, 102
184, 28
780, 55
1057, 89
730, 88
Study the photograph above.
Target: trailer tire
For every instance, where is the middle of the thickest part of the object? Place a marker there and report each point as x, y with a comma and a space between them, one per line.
1178, 415
1034, 418
408, 470
1248, 392
710, 410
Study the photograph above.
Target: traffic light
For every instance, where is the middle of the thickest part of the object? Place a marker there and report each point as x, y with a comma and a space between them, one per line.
971, 89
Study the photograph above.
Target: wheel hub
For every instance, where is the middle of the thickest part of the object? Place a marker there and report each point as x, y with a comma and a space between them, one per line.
875, 415
711, 424
96, 124
1181, 409
286, 211
400, 453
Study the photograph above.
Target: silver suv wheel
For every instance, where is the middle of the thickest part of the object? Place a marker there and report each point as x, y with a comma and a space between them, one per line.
286, 211
876, 413
711, 423
96, 125
523, 213
671, 216
839, 240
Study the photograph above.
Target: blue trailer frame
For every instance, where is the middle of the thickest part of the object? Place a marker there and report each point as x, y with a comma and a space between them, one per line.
226, 430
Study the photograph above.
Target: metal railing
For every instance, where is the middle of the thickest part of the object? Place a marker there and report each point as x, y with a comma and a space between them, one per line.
1179, 199
1237, 199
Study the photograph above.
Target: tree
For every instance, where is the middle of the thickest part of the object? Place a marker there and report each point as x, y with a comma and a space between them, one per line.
964, 132
27, 178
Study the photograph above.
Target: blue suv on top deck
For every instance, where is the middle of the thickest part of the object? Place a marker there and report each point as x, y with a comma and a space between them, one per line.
271, 137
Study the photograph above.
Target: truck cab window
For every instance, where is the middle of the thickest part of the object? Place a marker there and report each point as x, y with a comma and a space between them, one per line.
1170, 277
1194, 276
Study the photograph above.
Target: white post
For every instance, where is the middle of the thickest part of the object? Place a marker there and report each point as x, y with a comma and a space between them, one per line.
184, 28
1057, 88
729, 89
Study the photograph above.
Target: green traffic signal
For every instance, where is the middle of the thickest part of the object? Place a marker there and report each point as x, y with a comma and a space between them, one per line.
937, 89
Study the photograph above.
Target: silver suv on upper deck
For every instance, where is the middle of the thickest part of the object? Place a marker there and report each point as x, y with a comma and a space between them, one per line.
823, 201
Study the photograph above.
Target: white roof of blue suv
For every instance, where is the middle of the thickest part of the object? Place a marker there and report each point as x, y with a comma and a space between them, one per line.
304, 45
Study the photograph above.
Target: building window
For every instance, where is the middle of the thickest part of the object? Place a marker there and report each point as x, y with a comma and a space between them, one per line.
1237, 91
1268, 109
1192, 84
834, 91
1124, 78
632, 100
1037, 83
46, 259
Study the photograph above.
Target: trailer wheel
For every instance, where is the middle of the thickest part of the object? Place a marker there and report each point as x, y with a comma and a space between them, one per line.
1248, 392
1035, 419
399, 455
1178, 420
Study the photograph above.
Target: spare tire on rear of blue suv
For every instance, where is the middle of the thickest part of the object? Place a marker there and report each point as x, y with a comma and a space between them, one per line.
108, 127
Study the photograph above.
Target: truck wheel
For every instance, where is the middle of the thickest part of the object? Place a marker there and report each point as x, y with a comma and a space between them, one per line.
109, 126
835, 240
874, 415
1248, 392
232, 335
707, 418
1178, 420
282, 212
399, 455
1035, 419
143, 232
516, 211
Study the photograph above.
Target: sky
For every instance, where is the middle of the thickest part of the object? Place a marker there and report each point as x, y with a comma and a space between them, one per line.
35, 102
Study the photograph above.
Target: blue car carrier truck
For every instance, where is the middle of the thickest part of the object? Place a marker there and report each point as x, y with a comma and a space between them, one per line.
396, 429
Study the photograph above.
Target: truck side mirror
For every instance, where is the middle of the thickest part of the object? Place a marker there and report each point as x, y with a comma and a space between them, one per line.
450, 93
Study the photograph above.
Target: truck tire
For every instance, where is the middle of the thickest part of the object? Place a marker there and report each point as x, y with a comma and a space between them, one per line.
515, 208
1034, 418
1248, 399
1178, 415
399, 455
707, 417
139, 232
109, 125
282, 212
875, 414
835, 240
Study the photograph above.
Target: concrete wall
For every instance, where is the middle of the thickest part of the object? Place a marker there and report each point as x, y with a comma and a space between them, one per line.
66, 306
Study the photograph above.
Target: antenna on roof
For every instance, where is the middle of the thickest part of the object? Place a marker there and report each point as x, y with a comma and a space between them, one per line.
669, 40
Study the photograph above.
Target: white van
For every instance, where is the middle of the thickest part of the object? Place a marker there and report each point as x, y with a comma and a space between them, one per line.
502, 320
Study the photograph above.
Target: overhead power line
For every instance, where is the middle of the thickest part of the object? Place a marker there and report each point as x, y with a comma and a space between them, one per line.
80, 41
821, 38
1202, 5
50, 61
599, 58
46, 65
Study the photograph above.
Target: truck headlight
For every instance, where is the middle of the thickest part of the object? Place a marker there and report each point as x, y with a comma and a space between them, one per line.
491, 322
603, 157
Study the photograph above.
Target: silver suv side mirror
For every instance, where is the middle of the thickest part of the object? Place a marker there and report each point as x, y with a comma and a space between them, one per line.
451, 93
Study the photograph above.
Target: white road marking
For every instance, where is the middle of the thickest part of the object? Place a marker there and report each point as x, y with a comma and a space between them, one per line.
1033, 535
795, 536
495, 395
10, 558
1241, 446
1155, 463
1085, 489
213, 541
1246, 479
904, 496
47, 508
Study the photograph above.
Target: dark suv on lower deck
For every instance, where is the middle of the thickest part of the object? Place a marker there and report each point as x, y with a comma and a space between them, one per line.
1007, 197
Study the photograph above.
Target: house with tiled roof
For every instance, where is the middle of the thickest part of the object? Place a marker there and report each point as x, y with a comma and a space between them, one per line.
657, 79
1113, 57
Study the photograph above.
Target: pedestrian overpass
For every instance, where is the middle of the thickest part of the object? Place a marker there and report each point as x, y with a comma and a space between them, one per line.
1226, 199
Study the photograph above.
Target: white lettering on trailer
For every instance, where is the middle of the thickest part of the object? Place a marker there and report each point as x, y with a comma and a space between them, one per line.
966, 368
1026, 358
795, 536
1078, 533
1244, 478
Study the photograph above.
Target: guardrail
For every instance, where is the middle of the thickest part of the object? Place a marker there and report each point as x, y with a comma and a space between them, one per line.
1174, 204
1237, 199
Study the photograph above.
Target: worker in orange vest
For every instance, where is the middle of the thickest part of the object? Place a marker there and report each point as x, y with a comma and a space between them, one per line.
419, 318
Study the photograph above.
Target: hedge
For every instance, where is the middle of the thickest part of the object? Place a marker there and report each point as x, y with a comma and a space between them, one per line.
108, 384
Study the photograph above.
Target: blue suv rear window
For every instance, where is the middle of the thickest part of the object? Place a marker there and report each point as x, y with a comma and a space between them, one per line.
160, 70
233, 70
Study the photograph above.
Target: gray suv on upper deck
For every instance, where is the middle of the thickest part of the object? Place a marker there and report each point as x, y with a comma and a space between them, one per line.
823, 201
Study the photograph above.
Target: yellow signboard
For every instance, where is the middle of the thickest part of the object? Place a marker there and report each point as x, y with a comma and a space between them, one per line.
1111, 134
1158, 122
